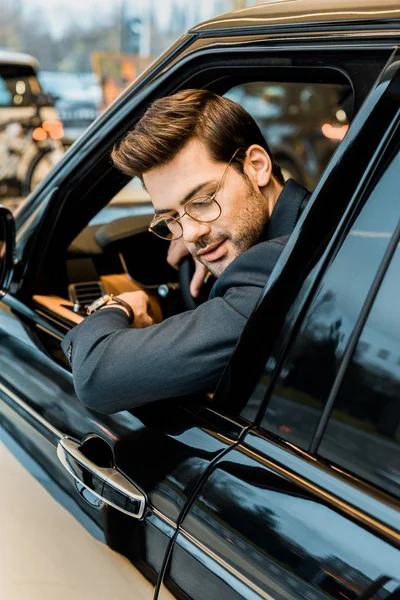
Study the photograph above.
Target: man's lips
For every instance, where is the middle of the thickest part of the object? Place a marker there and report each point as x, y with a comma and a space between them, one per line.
213, 251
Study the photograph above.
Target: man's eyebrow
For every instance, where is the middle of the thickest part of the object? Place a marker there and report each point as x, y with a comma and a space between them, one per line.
189, 195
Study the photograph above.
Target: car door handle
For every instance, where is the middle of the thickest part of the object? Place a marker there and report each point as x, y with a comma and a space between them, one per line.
106, 483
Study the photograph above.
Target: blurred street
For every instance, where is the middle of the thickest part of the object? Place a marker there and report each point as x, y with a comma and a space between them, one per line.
62, 64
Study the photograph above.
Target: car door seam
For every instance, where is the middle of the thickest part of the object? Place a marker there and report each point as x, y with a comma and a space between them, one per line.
188, 505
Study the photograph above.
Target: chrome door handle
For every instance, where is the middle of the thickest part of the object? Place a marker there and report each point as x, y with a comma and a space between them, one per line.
108, 484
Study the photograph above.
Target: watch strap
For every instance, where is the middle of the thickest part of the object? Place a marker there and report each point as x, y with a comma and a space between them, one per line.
104, 300
131, 314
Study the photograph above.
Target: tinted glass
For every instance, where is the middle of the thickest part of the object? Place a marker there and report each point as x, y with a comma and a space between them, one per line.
18, 86
312, 363
363, 434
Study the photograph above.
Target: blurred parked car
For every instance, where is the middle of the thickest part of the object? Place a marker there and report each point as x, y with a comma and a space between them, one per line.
77, 97
30, 128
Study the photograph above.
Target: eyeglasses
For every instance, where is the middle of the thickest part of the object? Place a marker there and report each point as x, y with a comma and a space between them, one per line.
203, 209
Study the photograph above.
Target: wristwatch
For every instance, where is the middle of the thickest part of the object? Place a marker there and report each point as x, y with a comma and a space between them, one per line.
103, 300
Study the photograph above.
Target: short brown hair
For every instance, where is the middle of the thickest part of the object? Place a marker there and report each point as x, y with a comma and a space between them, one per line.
171, 122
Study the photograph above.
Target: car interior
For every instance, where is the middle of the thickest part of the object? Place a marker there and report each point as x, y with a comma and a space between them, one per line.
105, 246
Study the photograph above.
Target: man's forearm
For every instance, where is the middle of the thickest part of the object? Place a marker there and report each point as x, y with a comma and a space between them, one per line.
117, 368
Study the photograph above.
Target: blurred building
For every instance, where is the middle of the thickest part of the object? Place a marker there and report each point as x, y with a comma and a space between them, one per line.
150, 27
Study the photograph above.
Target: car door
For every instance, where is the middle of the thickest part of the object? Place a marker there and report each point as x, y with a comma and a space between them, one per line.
307, 504
127, 475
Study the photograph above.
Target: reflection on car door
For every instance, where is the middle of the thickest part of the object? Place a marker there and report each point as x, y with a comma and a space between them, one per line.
163, 450
269, 523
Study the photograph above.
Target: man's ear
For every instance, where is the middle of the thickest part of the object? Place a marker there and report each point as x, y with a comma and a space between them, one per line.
258, 165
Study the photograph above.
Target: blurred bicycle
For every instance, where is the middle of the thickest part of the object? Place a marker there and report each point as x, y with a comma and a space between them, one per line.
29, 148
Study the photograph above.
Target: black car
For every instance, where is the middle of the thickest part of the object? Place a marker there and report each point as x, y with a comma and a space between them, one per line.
285, 482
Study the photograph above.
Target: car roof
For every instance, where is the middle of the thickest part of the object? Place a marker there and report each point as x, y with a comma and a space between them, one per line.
300, 12
17, 58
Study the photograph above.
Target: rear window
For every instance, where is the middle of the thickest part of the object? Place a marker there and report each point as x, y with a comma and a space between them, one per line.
18, 85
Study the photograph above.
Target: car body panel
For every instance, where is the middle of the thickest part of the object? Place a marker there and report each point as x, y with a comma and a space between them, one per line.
298, 13
287, 540
172, 451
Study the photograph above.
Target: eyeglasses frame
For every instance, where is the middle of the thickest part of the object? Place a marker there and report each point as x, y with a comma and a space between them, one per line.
210, 196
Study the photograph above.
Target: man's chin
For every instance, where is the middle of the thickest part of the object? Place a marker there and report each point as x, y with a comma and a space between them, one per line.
217, 267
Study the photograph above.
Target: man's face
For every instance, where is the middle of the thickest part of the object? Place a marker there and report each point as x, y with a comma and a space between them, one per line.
244, 208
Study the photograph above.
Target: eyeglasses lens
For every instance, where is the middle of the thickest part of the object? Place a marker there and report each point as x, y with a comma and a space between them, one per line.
203, 209
167, 228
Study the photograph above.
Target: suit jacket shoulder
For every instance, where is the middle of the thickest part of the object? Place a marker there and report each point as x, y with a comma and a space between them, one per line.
250, 269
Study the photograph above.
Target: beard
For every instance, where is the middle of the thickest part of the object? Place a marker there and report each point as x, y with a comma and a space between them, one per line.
247, 230
253, 219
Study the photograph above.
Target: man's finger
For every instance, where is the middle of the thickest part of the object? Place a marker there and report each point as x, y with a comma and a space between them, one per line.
142, 321
197, 279
176, 251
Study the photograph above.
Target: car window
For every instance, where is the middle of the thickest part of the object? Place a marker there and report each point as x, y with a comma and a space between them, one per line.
310, 368
280, 110
303, 123
363, 433
18, 86
131, 200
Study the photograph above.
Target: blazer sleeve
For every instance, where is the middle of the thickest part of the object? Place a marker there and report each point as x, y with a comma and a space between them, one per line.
117, 368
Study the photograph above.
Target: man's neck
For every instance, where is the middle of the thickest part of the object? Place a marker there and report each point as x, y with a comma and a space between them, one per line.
272, 193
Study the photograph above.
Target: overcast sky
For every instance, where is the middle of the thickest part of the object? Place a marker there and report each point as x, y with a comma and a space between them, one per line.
61, 13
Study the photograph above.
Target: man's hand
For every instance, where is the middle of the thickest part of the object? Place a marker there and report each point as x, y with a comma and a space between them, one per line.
139, 302
177, 250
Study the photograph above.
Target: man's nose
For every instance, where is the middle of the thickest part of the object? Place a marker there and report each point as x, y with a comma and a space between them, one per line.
193, 230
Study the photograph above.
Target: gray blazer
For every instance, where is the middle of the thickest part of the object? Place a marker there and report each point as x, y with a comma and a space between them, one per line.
118, 368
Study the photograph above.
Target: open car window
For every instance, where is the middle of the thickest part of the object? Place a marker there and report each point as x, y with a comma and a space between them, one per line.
303, 123
131, 200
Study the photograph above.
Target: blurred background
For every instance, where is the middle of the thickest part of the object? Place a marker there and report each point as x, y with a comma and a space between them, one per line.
62, 62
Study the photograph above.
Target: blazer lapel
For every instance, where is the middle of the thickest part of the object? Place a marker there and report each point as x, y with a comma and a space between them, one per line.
291, 202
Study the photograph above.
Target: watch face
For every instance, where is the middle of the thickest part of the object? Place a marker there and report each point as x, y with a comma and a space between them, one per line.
98, 303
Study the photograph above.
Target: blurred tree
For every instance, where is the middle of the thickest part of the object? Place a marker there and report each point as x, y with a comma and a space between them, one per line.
127, 30
9, 34
76, 45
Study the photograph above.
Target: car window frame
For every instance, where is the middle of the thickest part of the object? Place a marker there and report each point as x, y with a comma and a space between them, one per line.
80, 183
81, 180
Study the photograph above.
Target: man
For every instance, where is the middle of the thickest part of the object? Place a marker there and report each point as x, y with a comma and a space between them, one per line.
218, 194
